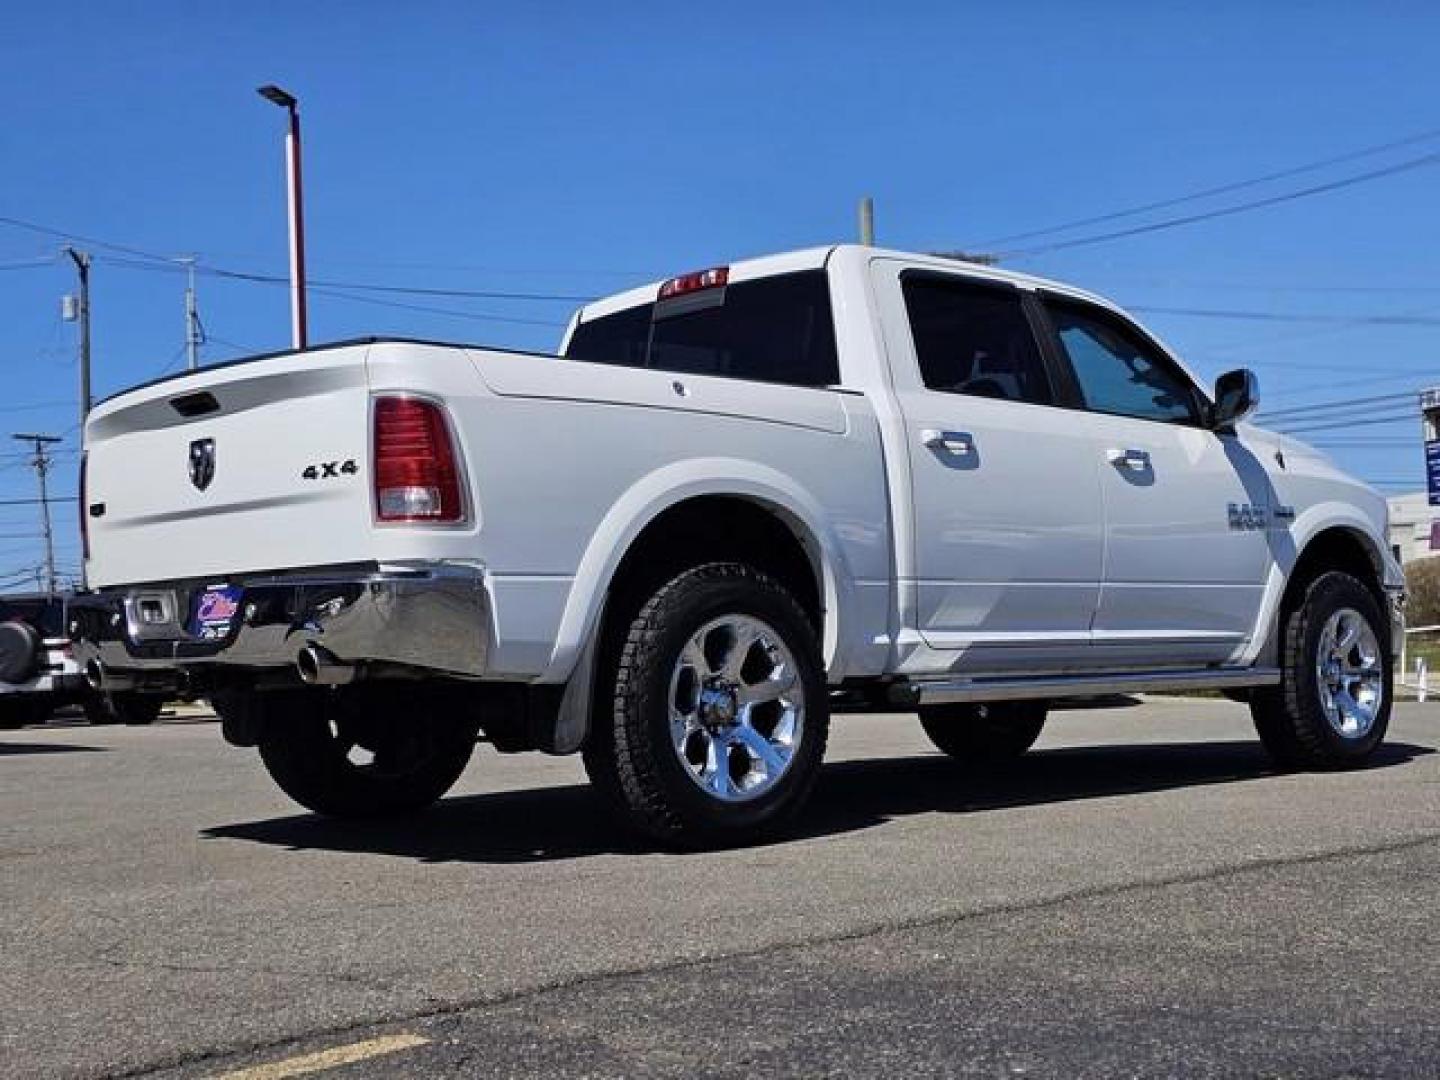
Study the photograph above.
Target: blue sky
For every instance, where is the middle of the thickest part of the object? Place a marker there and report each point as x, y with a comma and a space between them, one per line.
578, 149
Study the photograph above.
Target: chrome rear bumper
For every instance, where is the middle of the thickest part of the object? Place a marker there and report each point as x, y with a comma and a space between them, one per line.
430, 617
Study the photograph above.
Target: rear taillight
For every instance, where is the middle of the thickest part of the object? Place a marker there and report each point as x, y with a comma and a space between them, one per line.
417, 468
84, 510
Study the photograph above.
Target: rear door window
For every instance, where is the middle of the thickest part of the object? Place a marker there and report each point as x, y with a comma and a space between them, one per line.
974, 339
775, 329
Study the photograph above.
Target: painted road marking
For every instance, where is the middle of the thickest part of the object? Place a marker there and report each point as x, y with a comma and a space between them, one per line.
327, 1059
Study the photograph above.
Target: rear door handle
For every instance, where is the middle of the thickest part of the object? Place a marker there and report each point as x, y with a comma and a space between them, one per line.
959, 443
1131, 458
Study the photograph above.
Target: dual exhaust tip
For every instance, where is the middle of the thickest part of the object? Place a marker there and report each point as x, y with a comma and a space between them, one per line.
319, 667
314, 665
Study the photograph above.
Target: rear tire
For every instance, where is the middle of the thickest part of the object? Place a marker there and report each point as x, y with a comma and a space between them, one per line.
131, 709
984, 734
1332, 707
359, 754
18, 710
719, 716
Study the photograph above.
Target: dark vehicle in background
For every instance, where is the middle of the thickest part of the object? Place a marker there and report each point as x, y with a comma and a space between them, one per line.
38, 672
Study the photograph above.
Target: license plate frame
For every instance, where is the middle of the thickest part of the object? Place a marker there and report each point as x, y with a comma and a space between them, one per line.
213, 612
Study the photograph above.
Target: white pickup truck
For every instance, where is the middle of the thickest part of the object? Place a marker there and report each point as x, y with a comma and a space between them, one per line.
733, 499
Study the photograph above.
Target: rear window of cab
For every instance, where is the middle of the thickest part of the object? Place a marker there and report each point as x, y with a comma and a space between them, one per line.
775, 329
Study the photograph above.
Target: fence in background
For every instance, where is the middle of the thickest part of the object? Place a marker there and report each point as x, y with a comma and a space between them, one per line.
1417, 660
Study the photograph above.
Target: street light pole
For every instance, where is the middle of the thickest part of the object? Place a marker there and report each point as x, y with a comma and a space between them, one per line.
288, 102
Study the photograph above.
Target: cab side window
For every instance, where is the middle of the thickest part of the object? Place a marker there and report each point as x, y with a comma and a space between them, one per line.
1117, 370
974, 339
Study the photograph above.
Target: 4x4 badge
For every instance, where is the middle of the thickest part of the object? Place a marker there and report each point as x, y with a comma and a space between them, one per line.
202, 463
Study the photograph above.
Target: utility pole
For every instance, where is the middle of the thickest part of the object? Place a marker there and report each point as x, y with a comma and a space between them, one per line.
81, 260
867, 221
41, 464
194, 336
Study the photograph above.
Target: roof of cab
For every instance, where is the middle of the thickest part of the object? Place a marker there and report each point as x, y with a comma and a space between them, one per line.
816, 257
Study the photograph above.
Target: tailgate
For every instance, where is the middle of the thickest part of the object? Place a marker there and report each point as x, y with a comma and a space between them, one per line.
260, 466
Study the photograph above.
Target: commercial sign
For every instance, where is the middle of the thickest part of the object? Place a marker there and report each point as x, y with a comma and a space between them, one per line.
1430, 406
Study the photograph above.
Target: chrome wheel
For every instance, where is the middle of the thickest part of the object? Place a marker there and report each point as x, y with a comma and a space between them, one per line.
1350, 674
737, 708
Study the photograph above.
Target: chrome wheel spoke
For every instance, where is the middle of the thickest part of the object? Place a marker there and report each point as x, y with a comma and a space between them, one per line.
1347, 634
717, 766
1350, 675
1354, 715
761, 750
734, 737
741, 643
693, 656
780, 682
680, 728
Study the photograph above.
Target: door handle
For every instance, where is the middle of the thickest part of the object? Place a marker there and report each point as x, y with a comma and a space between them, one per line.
1131, 458
960, 443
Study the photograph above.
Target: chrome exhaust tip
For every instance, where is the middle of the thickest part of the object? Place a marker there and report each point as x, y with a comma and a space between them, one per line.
102, 680
318, 667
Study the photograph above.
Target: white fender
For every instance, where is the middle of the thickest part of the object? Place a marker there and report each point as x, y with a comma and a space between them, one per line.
667, 487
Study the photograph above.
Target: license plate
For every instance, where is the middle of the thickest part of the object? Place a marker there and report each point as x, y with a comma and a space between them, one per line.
215, 611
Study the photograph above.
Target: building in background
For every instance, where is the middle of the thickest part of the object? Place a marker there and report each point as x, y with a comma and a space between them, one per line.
1414, 526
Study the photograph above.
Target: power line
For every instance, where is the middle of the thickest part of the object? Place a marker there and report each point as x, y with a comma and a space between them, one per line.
1340, 403
166, 266
27, 264
1367, 444
34, 405
455, 313
60, 234
1226, 211
1331, 426
1223, 189
154, 261
338, 292
1286, 316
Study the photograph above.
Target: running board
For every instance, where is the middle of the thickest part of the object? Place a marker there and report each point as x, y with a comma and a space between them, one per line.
1088, 685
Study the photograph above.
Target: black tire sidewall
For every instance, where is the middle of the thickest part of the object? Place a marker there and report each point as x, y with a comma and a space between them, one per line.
303, 758
20, 651
136, 710
691, 602
20, 710
1329, 593
1006, 731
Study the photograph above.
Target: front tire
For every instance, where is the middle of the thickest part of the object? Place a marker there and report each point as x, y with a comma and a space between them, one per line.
1332, 707
719, 716
353, 754
984, 734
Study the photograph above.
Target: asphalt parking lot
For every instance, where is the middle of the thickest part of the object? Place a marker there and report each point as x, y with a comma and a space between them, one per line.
1140, 896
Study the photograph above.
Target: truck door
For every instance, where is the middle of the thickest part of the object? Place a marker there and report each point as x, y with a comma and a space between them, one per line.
1007, 532
1186, 508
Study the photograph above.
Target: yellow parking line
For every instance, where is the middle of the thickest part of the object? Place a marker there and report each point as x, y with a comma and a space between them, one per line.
327, 1059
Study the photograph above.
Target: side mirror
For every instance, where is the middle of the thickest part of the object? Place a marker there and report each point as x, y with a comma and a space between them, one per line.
1237, 396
